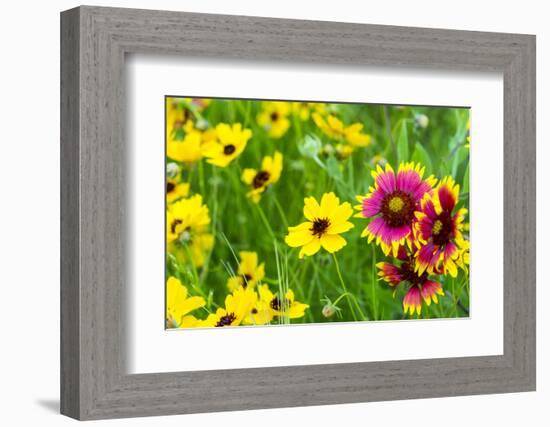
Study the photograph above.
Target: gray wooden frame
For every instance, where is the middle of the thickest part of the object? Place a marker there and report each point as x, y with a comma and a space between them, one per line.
94, 41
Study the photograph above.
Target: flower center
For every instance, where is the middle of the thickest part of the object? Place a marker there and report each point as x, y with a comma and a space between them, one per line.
260, 179
226, 320
396, 204
442, 230
276, 304
398, 208
319, 226
170, 186
228, 149
246, 279
174, 224
409, 275
274, 116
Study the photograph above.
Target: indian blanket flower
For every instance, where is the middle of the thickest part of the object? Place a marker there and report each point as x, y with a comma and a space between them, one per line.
325, 222
334, 128
238, 305
282, 307
179, 304
249, 272
420, 287
230, 142
439, 230
187, 232
391, 204
274, 118
259, 180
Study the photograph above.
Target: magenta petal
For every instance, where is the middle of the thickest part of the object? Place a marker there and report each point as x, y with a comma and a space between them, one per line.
375, 226
429, 210
386, 181
430, 288
446, 198
450, 250
408, 180
422, 188
400, 232
372, 204
412, 298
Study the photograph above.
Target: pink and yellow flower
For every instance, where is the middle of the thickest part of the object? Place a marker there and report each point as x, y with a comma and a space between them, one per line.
438, 230
420, 286
391, 204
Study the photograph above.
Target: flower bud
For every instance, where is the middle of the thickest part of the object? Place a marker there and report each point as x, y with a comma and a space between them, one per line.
328, 310
172, 170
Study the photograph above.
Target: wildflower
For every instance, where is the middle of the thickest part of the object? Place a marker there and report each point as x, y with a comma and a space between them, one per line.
187, 230
176, 190
249, 272
420, 286
334, 128
287, 306
325, 222
421, 120
261, 313
179, 119
439, 229
391, 204
259, 180
274, 118
230, 142
311, 147
187, 150
303, 109
179, 304
238, 305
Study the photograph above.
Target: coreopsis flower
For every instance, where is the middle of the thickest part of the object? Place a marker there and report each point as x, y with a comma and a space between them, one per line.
439, 229
175, 189
420, 287
274, 118
179, 119
179, 304
325, 222
391, 204
187, 233
334, 128
249, 272
282, 307
186, 150
268, 174
303, 110
238, 306
230, 142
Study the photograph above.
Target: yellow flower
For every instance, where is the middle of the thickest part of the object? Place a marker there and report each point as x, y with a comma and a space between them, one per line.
187, 233
249, 272
176, 190
260, 314
259, 180
334, 128
179, 304
303, 109
287, 307
237, 306
179, 118
230, 143
343, 151
325, 222
187, 150
274, 118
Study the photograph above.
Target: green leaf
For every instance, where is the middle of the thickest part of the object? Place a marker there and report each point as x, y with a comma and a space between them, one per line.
421, 156
402, 143
466, 181
333, 168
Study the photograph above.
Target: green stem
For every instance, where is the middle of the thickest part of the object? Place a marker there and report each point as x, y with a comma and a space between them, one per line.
344, 286
265, 221
280, 209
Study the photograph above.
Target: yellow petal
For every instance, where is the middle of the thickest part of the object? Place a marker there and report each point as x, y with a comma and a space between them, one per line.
311, 208
299, 238
310, 248
333, 242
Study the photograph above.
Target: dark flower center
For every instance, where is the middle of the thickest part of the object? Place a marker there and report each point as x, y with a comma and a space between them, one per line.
398, 208
186, 116
409, 275
274, 116
246, 279
226, 320
442, 229
319, 226
229, 149
276, 304
260, 179
174, 224
170, 186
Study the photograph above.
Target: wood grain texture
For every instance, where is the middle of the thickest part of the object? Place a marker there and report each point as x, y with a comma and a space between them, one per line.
94, 266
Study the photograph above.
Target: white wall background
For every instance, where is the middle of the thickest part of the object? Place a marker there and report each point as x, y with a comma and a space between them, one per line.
29, 212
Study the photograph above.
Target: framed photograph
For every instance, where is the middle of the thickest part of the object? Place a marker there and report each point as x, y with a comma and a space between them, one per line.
262, 213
